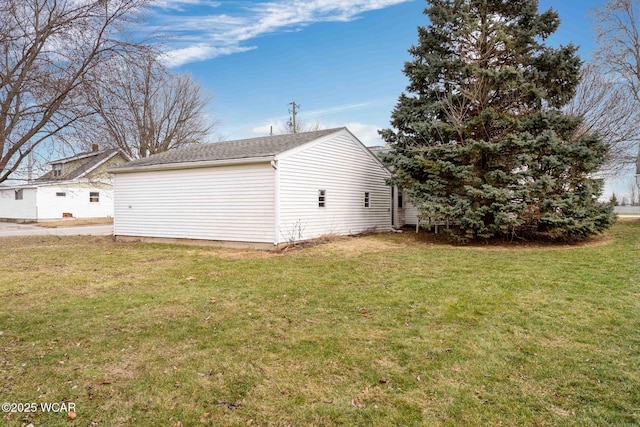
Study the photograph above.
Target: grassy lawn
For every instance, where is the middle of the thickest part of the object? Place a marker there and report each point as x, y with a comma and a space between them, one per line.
380, 330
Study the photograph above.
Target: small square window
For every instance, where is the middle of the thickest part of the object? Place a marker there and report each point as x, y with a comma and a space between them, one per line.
94, 197
366, 199
19, 194
61, 194
57, 170
322, 198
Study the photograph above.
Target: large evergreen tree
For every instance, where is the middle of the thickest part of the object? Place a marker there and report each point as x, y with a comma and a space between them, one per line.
479, 140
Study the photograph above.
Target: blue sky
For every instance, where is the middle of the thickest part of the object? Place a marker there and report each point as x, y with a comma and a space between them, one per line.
341, 60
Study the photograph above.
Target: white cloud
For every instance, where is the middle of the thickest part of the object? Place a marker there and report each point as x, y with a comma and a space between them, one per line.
263, 129
198, 52
208, 35
339, 108
349, 107
366, 133
180, 5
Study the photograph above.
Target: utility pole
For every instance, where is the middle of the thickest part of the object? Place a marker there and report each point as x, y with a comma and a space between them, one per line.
292, 121
30, 167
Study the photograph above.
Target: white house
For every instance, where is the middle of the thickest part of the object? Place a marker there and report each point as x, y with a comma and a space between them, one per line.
76, 186
403, 212
269, 190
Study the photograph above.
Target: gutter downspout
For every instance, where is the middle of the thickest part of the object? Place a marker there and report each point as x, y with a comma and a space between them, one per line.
638, 168
276, 201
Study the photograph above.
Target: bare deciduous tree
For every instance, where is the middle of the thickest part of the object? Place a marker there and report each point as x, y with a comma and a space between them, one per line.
143, 109
47, 47
301, 126
609, 111
618, 53
295, 125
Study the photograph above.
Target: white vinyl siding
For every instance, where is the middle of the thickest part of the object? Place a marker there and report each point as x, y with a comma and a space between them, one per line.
77, 200
22, 209
342, 167
410, 213
405, 213
45, 202
228, 203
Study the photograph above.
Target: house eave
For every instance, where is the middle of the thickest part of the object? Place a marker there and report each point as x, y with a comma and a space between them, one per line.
96, 166
191, 165
74, 181
18, 187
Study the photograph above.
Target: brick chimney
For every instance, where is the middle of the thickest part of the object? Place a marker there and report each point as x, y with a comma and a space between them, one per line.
95, 147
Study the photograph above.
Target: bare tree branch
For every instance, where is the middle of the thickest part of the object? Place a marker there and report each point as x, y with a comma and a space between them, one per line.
618, 54
609, 111
301, 126
47, 48
143, 109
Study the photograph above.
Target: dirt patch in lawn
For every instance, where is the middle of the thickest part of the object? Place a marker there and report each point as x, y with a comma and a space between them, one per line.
353, 246
349, 246
74, 222
235, 254
433, 240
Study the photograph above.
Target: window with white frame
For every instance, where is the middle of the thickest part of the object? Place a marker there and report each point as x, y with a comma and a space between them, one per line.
19, 194
57, 170
400, 201
367, 199
322, 198
94, 197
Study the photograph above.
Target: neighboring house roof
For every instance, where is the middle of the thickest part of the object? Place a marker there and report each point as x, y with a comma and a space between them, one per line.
379, 150
262, 147
93, 160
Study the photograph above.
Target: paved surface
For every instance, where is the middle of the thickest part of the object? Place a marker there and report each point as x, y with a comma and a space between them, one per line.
10, 229
627, 210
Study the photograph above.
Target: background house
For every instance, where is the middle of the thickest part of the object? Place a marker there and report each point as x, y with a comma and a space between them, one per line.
269, 190
77, 186
402, 211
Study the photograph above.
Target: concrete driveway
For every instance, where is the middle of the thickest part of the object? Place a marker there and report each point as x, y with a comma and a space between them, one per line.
10, 229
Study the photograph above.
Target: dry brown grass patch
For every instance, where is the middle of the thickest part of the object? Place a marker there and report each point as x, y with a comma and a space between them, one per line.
235, 253
74, 222
631, 219
433, 241
355, 246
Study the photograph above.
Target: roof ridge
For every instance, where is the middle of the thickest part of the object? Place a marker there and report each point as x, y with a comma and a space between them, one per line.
81, 155
88, 164
262, 146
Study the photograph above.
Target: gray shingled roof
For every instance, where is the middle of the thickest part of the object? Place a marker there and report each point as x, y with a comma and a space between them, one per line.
93, 159
265, 146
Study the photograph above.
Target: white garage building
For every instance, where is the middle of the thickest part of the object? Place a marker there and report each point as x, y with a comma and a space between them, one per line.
270, 190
